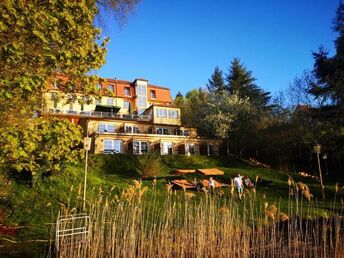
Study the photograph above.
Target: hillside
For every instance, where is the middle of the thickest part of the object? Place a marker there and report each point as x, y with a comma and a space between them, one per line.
30, 210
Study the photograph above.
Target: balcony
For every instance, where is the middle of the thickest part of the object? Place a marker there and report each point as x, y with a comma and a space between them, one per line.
98, 114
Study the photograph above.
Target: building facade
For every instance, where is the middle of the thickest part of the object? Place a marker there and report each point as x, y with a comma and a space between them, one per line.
129, 117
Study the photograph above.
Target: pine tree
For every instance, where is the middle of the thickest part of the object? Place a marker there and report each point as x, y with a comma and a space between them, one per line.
329, 71
240, 81
216, 83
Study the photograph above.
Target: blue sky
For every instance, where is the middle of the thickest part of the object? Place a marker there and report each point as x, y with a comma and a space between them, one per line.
177, 43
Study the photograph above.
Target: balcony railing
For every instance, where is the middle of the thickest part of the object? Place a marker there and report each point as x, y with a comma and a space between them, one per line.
100, 114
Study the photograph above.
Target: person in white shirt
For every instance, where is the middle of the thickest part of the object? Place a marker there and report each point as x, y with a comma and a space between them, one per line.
211, 184
239, 185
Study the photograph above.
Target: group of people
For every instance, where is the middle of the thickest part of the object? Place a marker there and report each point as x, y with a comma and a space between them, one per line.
198, 185
240, 182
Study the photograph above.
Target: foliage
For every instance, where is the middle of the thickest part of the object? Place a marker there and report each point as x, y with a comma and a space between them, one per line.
240, 81
41, 38
44, 147
221, 112
192, 107
149, 165
319, 100
216, 83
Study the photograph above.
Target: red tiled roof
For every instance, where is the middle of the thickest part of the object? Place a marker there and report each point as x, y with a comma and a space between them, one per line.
163, 94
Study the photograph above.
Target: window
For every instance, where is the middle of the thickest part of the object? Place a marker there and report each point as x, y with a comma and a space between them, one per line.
162, 131
141, 92
126, 104
110, 128
173, 113
127, 91
99, 86
140, 147
110, 88
160, 112
112, 146
153, 94
131, 129
109, 101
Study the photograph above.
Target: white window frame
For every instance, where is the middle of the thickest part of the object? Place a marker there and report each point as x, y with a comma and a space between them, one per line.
114, 148
141, 95
106, 128
164, 131
161, 112
111, 88
137, 147
133, 129
127, 91
153, 94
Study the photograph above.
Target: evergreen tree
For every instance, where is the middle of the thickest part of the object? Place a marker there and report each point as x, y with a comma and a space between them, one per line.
328, 89
216, 82
240, 81
329, 71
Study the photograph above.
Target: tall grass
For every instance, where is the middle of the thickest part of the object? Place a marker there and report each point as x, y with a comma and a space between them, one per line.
185, 225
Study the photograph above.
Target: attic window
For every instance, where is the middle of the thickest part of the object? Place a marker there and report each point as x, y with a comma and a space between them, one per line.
126, 91
110, 88
153, 94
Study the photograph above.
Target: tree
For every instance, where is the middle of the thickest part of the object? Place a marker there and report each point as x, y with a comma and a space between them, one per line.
222, 113
193, 108
39, 40
44, 147
328, 90
246, 130
179, 100
216, 82
240, 81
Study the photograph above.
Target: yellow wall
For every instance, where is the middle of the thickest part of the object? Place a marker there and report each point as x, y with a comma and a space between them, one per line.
64, 108
165, 120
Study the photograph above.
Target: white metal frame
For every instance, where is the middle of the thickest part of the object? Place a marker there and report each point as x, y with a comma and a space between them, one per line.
73, 228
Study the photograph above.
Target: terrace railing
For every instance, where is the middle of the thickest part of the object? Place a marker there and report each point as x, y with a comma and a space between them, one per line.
100, 114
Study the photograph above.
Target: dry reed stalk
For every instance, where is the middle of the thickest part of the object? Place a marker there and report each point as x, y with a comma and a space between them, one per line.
208, 226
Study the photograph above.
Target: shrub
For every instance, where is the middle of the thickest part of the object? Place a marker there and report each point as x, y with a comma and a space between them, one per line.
149, 165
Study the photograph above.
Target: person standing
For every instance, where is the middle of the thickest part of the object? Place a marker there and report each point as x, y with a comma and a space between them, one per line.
239, 185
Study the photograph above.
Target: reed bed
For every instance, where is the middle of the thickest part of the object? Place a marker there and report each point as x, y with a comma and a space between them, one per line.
133, 224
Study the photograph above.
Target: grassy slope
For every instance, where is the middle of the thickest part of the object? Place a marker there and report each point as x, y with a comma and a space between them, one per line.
35, 207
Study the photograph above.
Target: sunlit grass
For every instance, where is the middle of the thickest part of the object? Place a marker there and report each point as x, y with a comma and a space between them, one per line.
189, 224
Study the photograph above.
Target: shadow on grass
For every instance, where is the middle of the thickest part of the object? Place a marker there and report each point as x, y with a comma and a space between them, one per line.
121, 165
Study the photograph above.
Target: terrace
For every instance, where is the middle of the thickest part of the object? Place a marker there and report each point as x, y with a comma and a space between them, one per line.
98, 114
